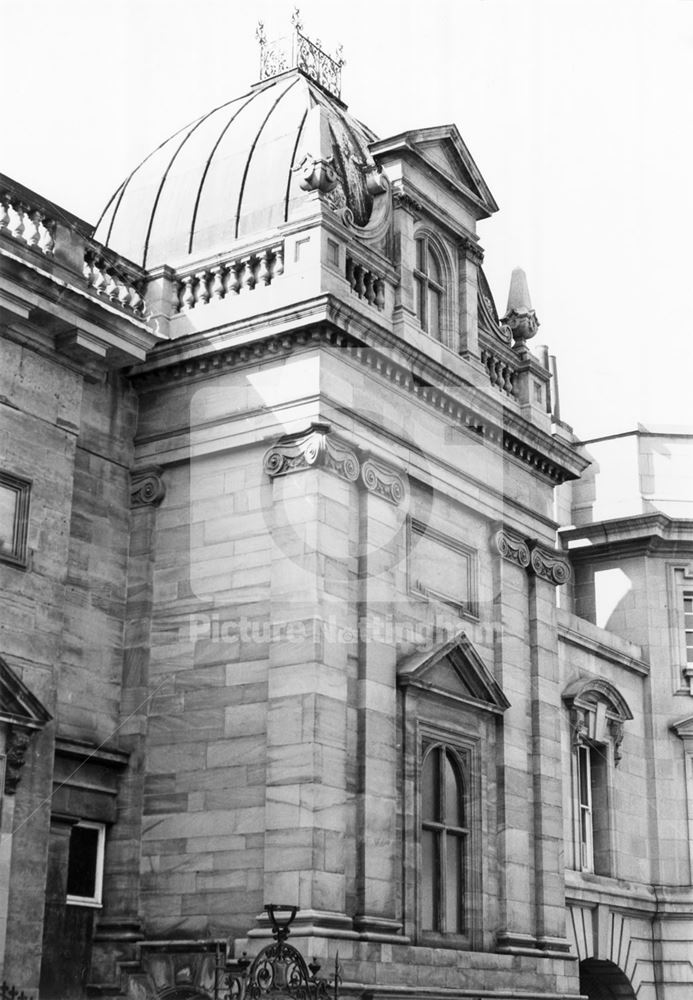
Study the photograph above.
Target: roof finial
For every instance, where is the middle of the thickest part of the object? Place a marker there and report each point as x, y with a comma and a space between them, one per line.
302, 53
519, 314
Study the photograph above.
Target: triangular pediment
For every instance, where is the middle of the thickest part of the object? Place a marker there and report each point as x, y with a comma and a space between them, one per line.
444, 150
454, 670
18, 705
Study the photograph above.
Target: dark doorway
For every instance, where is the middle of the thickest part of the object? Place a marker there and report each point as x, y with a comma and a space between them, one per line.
601, 980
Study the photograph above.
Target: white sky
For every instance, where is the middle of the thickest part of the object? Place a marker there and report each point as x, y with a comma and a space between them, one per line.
578, 114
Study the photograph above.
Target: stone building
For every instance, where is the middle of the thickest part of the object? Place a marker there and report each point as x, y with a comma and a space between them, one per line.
304, 597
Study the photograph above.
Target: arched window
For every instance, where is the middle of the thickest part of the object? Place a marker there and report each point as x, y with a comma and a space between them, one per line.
597, 714
429, 288
444, 842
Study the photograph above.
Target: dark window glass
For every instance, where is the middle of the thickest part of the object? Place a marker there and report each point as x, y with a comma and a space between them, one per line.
443, 842
82, 861
428, 288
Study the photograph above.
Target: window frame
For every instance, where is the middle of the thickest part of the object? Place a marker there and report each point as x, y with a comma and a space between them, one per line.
96, 899
465, 751
443, 831
18, 554
428, 286
596, 714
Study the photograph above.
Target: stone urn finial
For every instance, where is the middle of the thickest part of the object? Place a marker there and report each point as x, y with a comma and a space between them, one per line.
519, 315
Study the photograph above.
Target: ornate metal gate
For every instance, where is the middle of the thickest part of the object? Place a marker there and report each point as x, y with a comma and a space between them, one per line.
278, 972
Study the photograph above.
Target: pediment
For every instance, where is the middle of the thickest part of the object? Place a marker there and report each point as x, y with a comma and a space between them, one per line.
457, 671
444, 150
18, 705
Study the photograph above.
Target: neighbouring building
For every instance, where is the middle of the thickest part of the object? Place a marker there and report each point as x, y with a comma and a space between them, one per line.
310, 598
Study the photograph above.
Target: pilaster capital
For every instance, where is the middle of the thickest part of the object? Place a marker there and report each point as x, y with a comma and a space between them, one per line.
146, 486
383, 481
512, 547
471, 250
548, 565
407, 202
315, 447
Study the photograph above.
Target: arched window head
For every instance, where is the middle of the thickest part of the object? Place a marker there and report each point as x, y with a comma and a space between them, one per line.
429, 288
444, 842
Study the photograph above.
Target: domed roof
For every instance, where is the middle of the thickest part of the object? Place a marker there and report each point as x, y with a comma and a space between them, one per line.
232, 173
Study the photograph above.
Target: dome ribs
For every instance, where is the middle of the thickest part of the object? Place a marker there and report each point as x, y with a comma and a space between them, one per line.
292, 165
207, 166
120, 191
252, 150
195, 126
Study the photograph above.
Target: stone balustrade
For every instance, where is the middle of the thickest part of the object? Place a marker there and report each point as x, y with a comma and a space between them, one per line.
112, 283
235, 276
501, 371
26, 223
365, 283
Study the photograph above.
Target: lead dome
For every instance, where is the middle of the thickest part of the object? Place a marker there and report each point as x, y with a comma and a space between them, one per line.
236, 171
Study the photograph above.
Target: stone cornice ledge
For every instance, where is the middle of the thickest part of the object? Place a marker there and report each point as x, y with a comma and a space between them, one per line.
577, 632
548, 456
581, 889
640, 534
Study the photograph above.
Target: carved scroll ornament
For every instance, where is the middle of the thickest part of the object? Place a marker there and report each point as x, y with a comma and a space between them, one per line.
512, 547
382, 481
312, 448
146, 486
549, 566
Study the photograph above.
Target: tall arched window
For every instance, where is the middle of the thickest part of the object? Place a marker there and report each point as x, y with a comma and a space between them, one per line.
429, 288
444, 842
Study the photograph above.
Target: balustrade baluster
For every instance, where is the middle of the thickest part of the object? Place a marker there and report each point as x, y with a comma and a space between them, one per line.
4, 215
233, 284
188, 296
218, 283
278, 261
16, 226
370, 291
202, 292
248, 273
98, 276
350, 274
31, 232
360, 283
263, 272
380, 293
111, 287
123, 293
47, 241
135, 302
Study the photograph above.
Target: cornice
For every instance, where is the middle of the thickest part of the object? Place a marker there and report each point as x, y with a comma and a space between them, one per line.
602, 648
416, 374
638, 535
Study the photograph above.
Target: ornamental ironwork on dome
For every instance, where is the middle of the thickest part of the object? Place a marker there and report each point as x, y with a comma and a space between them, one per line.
243, 168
